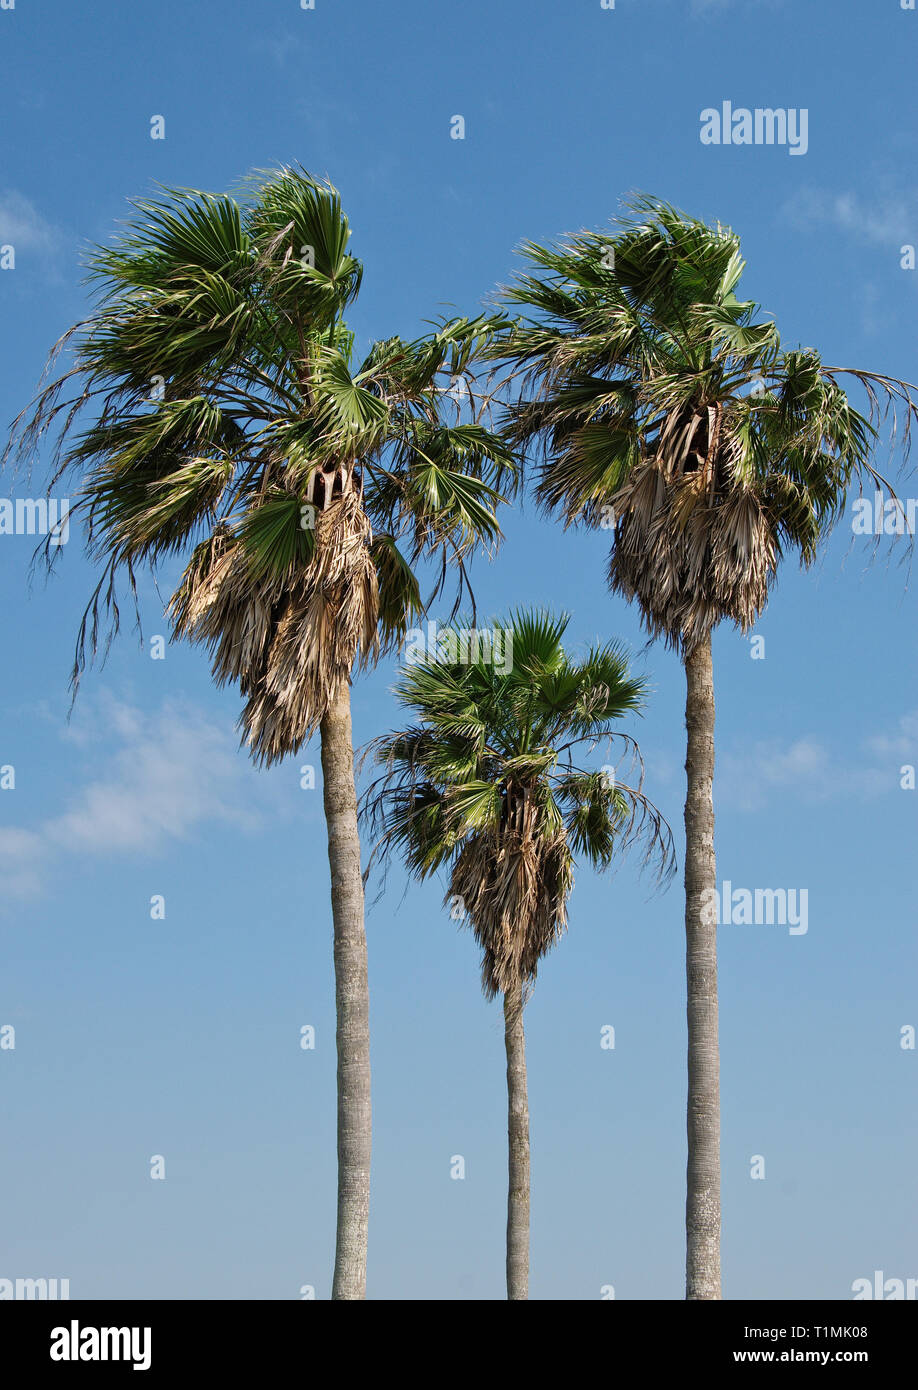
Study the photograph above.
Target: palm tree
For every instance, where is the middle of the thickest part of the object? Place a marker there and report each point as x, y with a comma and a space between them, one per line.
485, 785
667, 412
232, 426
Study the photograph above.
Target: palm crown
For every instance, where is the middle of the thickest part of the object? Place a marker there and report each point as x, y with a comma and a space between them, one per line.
668, 411
487, 784
231, 417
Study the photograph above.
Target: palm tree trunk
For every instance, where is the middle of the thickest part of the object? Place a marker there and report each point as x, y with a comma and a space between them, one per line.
702, 1206
518, 1145
352, 1000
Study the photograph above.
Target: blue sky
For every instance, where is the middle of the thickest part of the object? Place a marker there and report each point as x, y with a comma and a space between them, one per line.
180, 1037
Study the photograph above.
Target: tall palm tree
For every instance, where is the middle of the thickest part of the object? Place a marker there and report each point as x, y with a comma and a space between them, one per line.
485, 784
231, 425
667, 412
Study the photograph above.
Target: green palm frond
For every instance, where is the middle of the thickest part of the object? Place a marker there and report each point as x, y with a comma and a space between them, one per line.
276, 541
400, 601
213, 407
483, 784
662, 407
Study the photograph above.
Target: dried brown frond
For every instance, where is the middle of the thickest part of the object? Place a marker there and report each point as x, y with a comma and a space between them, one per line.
692, 544
514, 885
290, 641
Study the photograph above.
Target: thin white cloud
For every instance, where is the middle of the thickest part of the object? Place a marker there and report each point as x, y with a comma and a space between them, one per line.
166, 774
282, 48
750, 780
20, 862
23, 226
888, 220
903, 743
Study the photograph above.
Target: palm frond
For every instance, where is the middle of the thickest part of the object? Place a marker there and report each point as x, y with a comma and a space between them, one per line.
483, 785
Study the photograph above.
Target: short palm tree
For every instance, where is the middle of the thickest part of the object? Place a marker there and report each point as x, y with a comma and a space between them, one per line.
667, 412
486, 785
233, 427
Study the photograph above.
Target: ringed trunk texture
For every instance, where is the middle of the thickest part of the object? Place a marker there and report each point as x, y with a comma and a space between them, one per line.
702, 1206
518, 1147
351, 998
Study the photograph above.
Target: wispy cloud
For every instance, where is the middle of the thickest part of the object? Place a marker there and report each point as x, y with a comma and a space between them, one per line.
23, 226
282, 47
164, 775
902, 743
20, 862
887, 220
750, 779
